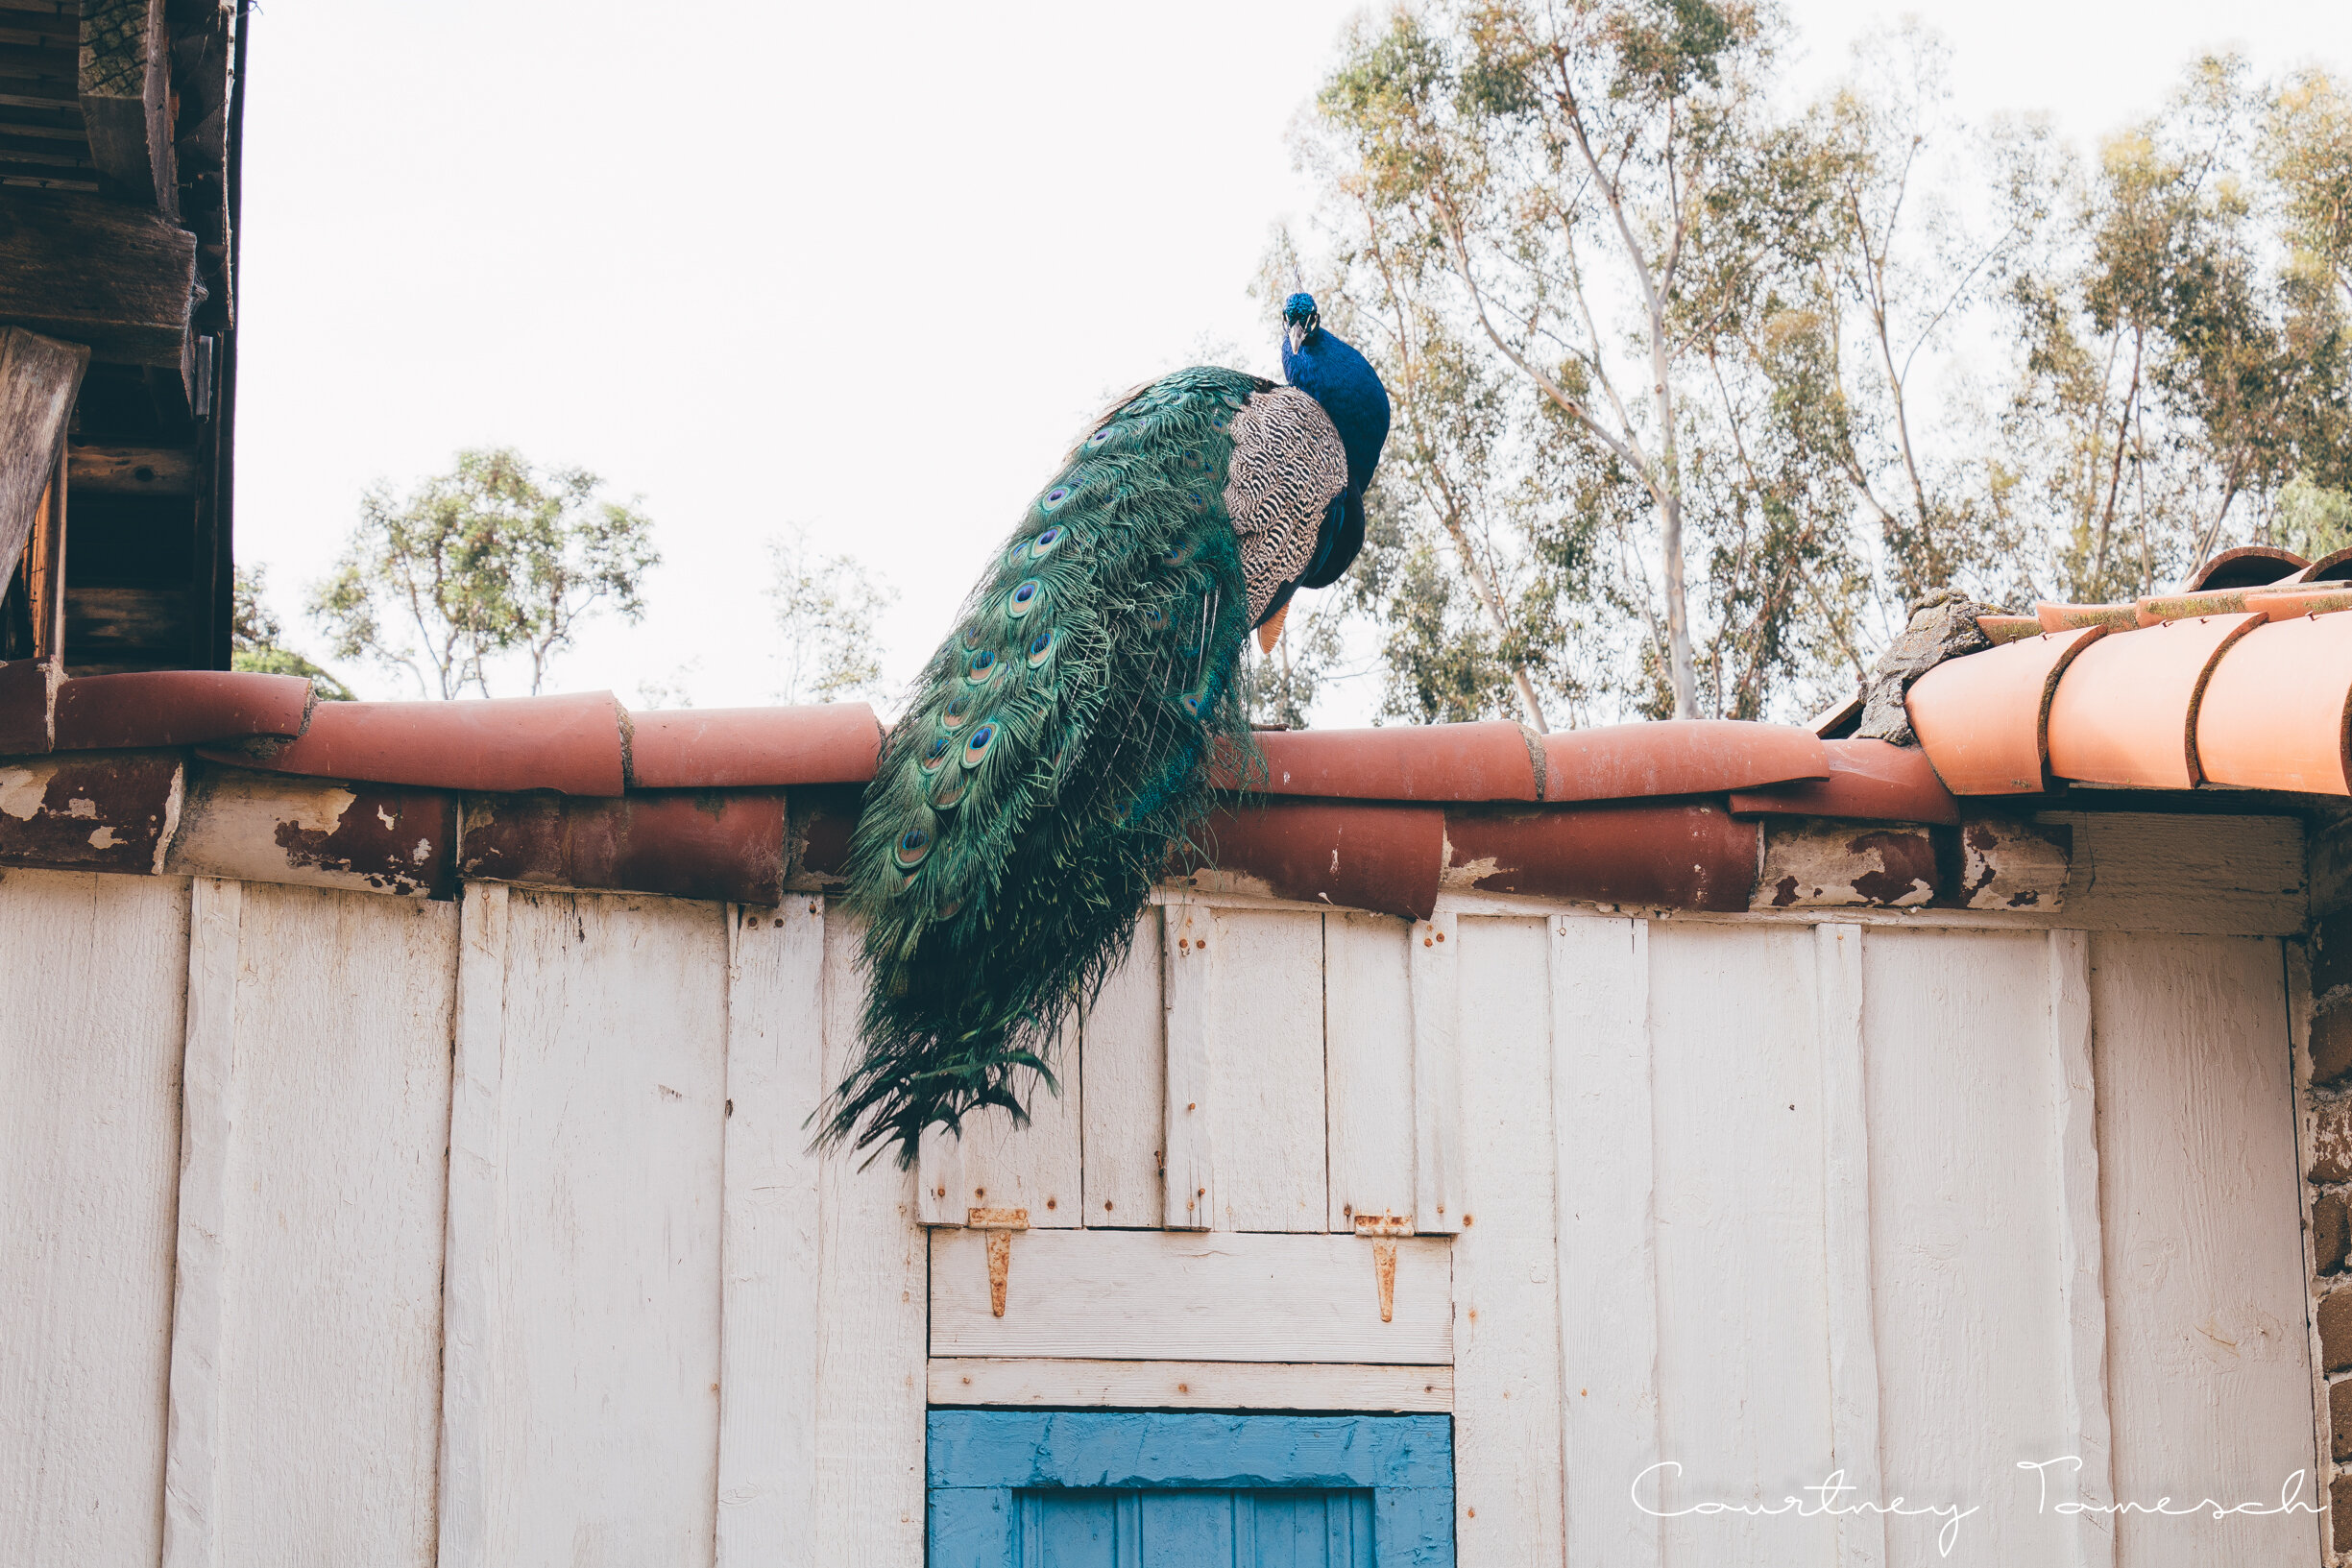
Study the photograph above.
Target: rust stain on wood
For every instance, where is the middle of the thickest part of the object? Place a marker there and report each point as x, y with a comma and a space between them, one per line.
1384, 1270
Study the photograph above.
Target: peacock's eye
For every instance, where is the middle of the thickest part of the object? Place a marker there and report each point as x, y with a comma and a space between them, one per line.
1023, 598
1040, 648
912, 845
978, 746
1051, 499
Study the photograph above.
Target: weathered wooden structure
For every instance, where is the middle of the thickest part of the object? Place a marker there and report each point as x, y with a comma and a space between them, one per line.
405, 1107
119, 126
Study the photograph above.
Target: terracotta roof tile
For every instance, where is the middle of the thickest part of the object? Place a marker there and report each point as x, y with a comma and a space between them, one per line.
2335, 568
28, 689
1648, 855
1686, 757
2070, 618
2126, 708
316, 833
693, 845
751, 748
1488, 762
89, 811
179, 707
1870, 781
2285, 603
1381, 857
2245, 567
2277, 705
570, 745
2010, 627
1984, 719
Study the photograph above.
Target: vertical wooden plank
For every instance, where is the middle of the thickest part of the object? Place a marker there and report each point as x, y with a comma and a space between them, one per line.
1608, 1256
871, 1310
1189, 993
192, 1458
996, 1164
90, 1032
603, 1200
1368, 1055
767, 1348
1845, 1168
2209, 1375
1507, 1374
1265, 1071
1123, 1100
1743, 1332
2086, 1432
471, 1322
1433, 961
306, 1352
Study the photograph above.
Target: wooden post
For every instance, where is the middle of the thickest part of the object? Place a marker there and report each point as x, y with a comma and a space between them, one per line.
39, 379
45, 572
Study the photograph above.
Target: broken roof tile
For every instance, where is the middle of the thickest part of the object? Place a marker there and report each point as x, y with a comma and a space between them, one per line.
1870, 781
753, 748
2126, 708
570, 745
1679, 756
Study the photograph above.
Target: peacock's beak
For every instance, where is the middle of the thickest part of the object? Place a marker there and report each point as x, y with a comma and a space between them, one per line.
1295, 336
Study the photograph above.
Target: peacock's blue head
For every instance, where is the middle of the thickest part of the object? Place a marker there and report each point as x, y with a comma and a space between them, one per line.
1330, 371
1335, 376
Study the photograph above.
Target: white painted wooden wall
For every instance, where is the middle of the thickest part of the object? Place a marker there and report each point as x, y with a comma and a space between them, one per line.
348, 1228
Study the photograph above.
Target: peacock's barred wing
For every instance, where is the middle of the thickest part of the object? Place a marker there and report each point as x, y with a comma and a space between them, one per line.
1056, 745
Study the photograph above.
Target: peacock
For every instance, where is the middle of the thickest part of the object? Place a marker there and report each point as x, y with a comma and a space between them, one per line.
1059, 742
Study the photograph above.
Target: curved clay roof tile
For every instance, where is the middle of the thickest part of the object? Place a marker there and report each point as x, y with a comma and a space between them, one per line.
178, 708
1484, 761
1870, 781
2126, 708
570, 745
754, 748
2249, 566
1984, 719
1679, 756
2277, 705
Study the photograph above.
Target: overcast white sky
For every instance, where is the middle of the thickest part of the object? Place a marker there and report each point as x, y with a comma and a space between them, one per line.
862, 268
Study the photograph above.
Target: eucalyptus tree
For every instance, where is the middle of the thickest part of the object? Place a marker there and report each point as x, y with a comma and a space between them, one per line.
496, 557
1579, 175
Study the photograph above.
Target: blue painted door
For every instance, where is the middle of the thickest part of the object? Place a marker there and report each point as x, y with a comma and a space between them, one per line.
1101, 1528
1161, 1489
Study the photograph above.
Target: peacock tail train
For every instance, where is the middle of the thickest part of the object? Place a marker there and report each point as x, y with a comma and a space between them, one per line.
1053, 748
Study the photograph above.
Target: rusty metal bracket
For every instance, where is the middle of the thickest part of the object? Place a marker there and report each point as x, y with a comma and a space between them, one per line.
1000, 1224
1381, 1229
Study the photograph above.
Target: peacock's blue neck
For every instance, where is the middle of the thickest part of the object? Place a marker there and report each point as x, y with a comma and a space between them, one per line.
1335, 376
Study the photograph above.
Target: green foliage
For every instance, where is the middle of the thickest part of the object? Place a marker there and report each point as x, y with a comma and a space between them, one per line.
826, 607
1053, 749
256, 639
1694, 396
495, 557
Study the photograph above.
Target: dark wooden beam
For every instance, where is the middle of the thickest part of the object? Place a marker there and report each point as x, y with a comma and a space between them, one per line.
133, 471
90, 271
124, 85
38, 380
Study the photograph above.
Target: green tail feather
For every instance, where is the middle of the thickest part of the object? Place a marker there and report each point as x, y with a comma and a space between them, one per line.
1054, 747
